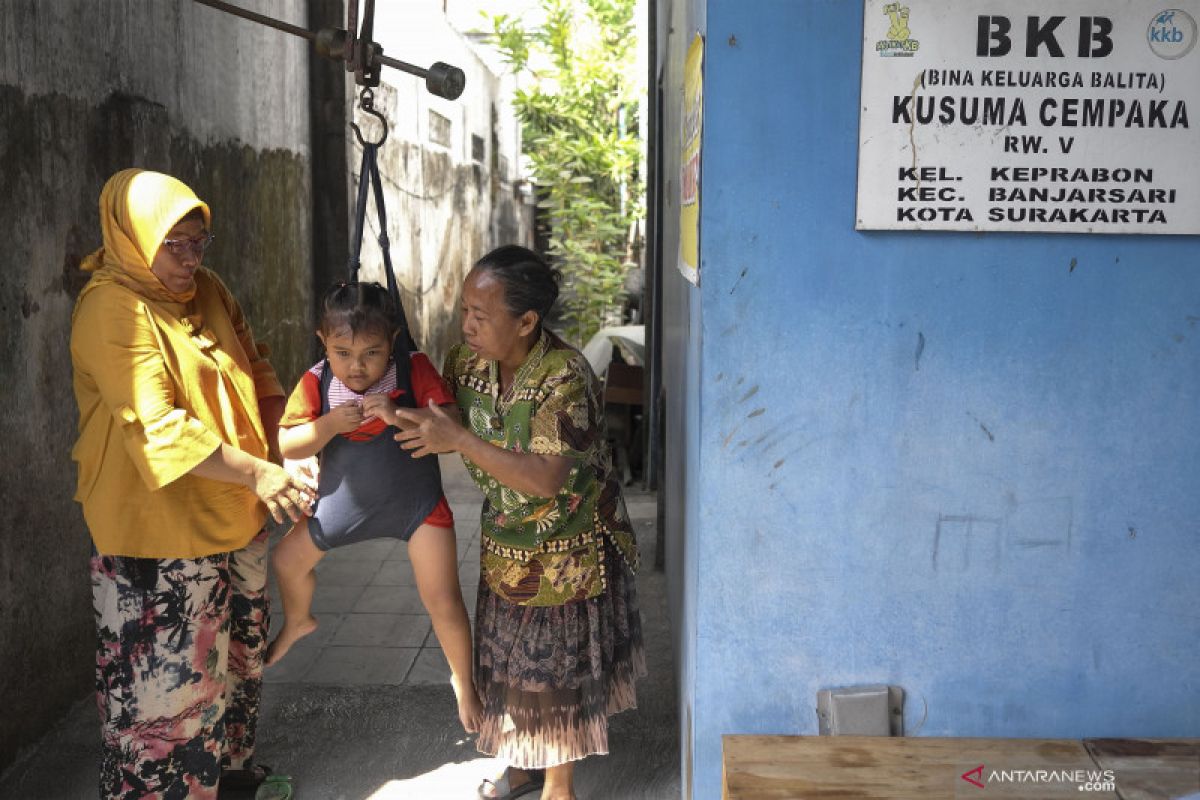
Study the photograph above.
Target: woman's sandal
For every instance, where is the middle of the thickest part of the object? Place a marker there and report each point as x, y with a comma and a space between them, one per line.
503, 787
250, 776
275, 787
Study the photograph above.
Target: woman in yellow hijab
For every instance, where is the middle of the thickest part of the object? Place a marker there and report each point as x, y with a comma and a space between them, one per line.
178, 413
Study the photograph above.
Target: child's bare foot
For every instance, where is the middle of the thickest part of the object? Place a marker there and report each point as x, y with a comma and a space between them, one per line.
470, 709
288, 636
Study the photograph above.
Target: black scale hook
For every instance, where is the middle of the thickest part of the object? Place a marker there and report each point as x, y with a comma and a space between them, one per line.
366, 101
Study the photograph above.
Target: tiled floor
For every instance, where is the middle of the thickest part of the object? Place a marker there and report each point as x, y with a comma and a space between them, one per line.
361, 709
373, 627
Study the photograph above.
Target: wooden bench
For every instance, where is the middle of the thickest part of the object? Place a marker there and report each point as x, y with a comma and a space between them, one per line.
899, 768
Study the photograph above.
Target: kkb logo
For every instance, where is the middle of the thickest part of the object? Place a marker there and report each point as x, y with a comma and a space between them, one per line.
1172, 34
899, 41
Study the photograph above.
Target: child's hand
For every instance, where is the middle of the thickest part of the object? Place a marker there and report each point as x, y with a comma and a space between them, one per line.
381, 407
346, 417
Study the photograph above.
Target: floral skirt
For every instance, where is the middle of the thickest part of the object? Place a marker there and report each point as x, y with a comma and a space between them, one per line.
179, 655
550, 677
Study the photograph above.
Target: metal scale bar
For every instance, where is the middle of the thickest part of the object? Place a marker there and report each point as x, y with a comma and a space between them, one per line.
362, 56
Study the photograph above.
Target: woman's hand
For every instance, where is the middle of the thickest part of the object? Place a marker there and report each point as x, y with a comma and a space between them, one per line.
426, 431
381, 407
305, 470
284, 494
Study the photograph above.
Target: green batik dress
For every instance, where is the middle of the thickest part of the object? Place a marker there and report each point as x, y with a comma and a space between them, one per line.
558, 641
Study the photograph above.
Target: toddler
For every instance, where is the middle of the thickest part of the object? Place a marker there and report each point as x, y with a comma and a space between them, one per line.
344, 408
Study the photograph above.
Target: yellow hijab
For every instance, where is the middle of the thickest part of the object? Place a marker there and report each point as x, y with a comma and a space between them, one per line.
137, 210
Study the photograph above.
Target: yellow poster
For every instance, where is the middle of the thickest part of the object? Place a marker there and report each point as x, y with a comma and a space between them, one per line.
689, 162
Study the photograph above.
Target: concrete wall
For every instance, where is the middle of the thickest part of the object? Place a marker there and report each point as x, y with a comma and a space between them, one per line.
446, 206
87, 89
963, 464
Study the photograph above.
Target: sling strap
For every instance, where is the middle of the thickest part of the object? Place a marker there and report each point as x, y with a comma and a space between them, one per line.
370, 183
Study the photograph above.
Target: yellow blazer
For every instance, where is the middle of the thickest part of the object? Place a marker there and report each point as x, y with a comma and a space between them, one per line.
160, 385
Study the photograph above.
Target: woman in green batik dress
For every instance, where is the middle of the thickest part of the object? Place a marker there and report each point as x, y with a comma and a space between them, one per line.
558, 641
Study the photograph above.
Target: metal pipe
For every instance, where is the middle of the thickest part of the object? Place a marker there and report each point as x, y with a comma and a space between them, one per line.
270, 22
403, 66
441, 79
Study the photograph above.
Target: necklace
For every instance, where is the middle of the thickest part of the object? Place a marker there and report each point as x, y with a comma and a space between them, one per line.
502, 403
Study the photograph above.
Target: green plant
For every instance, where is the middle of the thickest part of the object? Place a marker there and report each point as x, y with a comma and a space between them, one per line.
580, 133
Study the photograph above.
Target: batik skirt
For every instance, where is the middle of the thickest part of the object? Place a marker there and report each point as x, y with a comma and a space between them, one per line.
180, 644
550, 677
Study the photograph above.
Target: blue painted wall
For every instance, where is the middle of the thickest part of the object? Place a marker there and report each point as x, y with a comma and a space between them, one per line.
963, 464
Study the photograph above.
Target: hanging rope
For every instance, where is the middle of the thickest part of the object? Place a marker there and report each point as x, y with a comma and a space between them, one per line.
370, 183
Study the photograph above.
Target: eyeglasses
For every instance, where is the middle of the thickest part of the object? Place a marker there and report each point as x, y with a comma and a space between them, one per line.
196, 246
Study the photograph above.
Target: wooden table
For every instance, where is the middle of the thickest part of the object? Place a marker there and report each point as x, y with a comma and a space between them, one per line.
865, 767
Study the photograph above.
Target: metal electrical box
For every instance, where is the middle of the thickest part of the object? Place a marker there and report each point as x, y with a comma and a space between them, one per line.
861, 711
